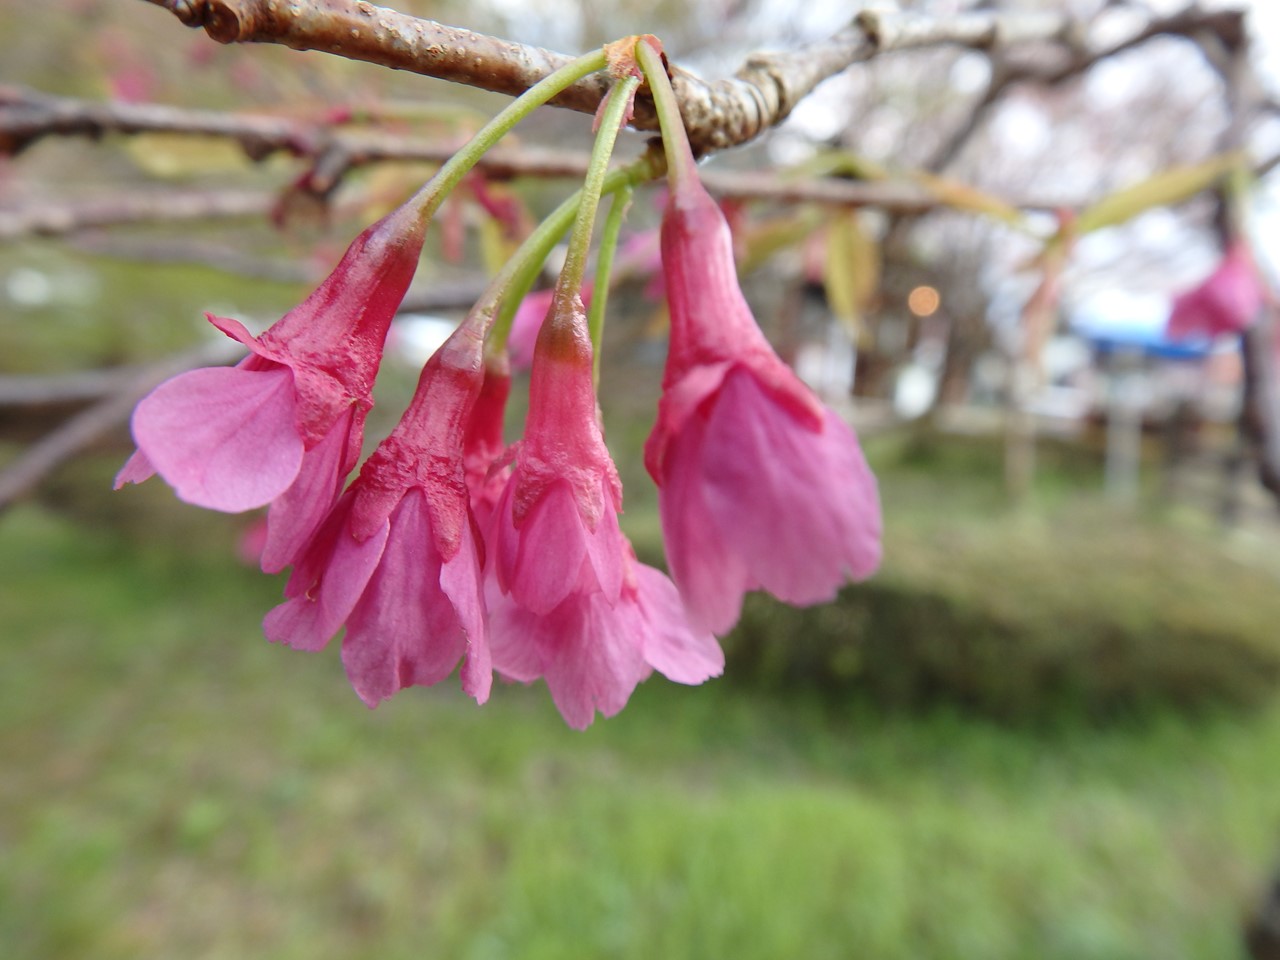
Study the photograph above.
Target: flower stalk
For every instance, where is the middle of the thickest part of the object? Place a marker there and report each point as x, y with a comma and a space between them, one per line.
681, 166
604, 267
428, 199
575, 264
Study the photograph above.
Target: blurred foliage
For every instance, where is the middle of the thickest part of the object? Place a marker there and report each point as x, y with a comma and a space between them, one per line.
175, 786
93, 311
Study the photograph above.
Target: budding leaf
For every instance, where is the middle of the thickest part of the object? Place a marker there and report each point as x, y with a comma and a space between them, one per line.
961, 196
175, 156
851, 274
1164, 189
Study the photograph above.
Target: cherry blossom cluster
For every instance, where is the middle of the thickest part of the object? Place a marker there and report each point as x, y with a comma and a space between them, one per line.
451, 550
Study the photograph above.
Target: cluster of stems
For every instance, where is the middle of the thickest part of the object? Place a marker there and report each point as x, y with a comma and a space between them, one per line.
491, 316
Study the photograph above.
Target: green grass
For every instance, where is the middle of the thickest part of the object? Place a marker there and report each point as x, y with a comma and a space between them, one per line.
175, 786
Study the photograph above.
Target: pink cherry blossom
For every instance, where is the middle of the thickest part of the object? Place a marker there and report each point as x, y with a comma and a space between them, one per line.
399, 560
568, 603
1227, 301
760, 485
284, 427
555, 530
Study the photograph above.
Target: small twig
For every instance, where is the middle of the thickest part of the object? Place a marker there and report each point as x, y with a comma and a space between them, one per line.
69, 217
17, 390
27, 116
55, 219
1193, 23
219, 256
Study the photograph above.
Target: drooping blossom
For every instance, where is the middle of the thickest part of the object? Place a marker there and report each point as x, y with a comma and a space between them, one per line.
760, 485
400, 559
569, 603
285, 425
1227, 301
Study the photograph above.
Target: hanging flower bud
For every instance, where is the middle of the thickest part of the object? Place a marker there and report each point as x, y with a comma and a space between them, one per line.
570, 604
399, 560
1227, 301
760, 485
285, 426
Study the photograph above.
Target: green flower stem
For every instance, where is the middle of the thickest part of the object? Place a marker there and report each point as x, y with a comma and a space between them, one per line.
604, 267
432, 194
575, 264
518, 274
675, 140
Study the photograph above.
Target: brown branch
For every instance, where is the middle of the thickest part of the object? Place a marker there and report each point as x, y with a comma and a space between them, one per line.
1259, 421
69, 217
55, 219
222, 256
718, 115
1191, 23
27, 116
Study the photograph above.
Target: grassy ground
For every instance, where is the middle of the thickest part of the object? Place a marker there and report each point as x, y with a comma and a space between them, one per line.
175, 786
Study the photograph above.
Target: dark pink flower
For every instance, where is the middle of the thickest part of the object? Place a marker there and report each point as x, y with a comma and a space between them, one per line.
400, 559
760, 485
556, 530
285, 425
568, 601
1227, 301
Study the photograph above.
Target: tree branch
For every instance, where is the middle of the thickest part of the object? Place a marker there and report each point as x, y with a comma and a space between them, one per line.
1191, 23
27, 116
718, 115
55, 219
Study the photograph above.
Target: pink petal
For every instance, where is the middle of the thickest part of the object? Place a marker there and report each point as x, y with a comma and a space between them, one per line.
462, 580
296, 514
222, 437
540, 563
404, 630
712, 579
668, 643
680, 401
591, 655
606, 547
799, 506
325, 586
516, 655
136, 469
